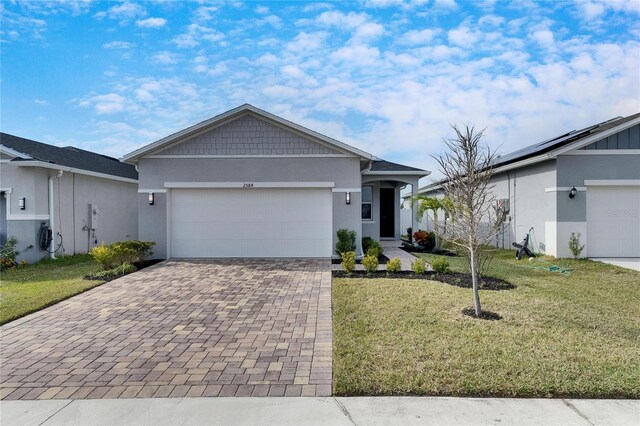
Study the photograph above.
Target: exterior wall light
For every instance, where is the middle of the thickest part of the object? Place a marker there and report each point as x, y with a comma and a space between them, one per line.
151, 199
348, 197
22, 203
573, 192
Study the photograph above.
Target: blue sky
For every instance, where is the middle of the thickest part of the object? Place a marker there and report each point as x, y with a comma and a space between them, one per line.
385, 76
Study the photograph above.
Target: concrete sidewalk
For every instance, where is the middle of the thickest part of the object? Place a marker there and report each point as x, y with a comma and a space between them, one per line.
321, 411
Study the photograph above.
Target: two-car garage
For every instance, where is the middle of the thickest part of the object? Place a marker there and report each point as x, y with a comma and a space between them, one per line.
247, 220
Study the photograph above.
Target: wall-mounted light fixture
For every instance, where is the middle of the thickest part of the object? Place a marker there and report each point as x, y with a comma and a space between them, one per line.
22, 203
573, 192
347, 197
151, 199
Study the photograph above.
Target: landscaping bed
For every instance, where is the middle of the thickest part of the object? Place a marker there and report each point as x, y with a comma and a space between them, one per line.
139, 265
458, 279
382, 260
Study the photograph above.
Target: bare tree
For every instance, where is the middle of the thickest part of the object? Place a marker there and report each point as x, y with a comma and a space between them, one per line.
467, 167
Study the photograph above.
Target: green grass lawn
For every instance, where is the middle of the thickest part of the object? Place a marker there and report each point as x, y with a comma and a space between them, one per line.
26, 290
561, 335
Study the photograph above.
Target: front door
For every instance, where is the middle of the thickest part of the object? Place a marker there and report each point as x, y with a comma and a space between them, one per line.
387, 212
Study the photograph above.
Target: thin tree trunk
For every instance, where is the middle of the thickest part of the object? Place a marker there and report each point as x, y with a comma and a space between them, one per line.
474, 277
436, 228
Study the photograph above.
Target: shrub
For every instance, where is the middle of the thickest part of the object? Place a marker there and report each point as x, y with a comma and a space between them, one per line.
349, 261
23, 264
394, 265
370, 263
375, 249
104, 255
366, 243
120, 270
440, 264
574, 245
142, 249
419, 266
346, 241
425, 239
121, 252
8, 253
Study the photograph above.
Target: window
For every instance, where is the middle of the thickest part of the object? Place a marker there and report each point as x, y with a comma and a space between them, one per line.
367, 196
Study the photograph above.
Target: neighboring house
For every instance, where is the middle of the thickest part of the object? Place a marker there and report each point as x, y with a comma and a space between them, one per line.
585, 181
247, 183
83, 198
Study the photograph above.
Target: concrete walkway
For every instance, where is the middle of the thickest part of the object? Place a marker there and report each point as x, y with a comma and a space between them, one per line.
321, 411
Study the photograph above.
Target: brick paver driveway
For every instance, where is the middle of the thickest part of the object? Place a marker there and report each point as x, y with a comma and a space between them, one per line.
180, 328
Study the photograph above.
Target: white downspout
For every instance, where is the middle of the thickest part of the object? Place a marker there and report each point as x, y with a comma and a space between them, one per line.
52, 221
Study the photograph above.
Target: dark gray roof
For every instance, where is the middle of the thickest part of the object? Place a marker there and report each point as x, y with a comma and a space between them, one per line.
388, 166
551, 144
562, 140
68, 156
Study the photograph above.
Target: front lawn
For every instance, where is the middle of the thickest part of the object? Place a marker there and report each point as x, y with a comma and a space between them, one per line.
561, 335
26, 290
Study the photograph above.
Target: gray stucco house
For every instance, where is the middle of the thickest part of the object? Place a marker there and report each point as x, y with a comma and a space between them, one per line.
586, 181
247, 183
83, 198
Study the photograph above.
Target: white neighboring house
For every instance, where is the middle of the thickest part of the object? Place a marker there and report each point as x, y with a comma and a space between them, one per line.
81, 197
586, 181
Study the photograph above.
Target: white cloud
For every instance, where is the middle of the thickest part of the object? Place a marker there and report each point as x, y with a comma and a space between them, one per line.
544, 38
196, 34
446, 4
118, 45
357, 55
463, 37
165, 58
414, 37
263, 10
151, 22
307, 42
41, 102
126, 10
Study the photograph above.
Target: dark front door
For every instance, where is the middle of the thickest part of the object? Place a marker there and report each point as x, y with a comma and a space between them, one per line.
387, 212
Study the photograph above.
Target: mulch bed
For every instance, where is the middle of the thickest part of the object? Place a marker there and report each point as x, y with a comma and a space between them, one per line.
457, 279
485, 315
382, 260
138, 265
410, 249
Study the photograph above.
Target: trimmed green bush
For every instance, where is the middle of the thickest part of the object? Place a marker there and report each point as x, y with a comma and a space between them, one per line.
440, 264
370, 263
394, 265
349, 261
346, 241
419, 266
375, 249
122, 252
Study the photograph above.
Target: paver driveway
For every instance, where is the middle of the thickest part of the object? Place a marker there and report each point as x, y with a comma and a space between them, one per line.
180, 328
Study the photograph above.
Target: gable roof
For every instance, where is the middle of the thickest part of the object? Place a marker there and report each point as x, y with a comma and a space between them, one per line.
233, 114
29, 151
567, 139
383, 166
551, 148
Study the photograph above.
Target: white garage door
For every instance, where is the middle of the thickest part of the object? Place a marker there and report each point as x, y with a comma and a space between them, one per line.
256, 222
613, 221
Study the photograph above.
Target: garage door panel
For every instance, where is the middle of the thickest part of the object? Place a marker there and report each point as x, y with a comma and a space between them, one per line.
613, 221
251, 223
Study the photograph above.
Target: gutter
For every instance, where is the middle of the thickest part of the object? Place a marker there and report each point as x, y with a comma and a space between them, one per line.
68, 169
52, 221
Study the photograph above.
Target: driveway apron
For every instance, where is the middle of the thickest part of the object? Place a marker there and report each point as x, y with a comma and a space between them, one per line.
232, 327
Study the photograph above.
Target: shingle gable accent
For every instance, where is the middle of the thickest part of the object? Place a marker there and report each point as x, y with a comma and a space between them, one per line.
248, 135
